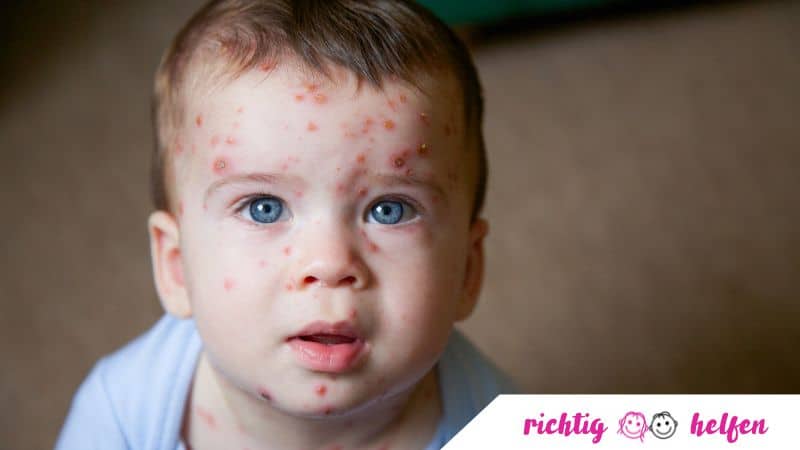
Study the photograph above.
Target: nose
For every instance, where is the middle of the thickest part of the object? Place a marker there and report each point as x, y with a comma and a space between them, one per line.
329, 258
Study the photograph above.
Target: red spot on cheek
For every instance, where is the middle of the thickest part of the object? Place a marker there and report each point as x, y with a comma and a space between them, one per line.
214, 140
230, 140
207, 417
199, 120
220, 165
287, 250
228, 284
264, 393
320, 99
367, 124
399, 162
299, 97
388, 124
361, 158
373, 247
312, 126
298, 193
322, 390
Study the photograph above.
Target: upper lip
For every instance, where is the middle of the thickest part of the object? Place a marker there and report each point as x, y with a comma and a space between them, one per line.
341, 328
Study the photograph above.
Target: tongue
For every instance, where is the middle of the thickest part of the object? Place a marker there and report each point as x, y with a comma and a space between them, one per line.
328, 339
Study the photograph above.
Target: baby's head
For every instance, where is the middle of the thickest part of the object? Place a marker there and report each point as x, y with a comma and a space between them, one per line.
319, 175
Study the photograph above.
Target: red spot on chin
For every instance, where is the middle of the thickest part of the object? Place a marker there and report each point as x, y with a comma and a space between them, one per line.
199, 120
322, 390
228, 284
312, 126
220, 165
287, 250
328, 410
264, 394
207, 417
388, 124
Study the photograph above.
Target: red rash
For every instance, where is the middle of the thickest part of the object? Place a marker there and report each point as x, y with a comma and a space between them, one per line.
207, 417
399, 162
322, 390
199, 120
423, 150
230, 140
361, 158
320, 99
312, 126
388, 124
289, 287
299, 97
367, 124
220, 165
228, 284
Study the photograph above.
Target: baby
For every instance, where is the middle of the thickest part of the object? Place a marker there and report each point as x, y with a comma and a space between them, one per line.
318, 179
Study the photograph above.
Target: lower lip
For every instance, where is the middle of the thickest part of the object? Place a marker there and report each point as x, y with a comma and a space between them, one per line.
336, 358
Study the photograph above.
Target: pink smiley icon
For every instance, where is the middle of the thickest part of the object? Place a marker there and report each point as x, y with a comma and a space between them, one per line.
633, 425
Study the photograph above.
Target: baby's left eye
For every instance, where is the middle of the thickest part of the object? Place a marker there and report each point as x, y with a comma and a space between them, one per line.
391, 212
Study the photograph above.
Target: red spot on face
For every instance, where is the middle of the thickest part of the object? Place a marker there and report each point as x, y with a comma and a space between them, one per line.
180, 208
448, 129
220, 165
392, 104
366, 125
435, 199
353, 313
262, 263
339, 188
287, 250
228, 284
289, 287
388, 124
298, 193
240, 109
403, 98
264, 393
322, 390
311, 87
361, 158
373, 247
320, 98
178, 147
194, 149
265, 66
299, 97
399, 162
230, 140
362, 192
206, 416
328, 410
199, 120
312, 126
424, 119
409, 172
214, 140
284, 167
423, 150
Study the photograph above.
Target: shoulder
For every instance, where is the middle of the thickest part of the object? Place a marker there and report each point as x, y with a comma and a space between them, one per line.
469, 381
136, 395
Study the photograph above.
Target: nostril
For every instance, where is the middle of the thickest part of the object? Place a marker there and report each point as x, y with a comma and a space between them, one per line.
349, 280
309, 279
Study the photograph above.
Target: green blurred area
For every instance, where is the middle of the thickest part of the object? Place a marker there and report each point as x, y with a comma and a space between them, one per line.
476, 12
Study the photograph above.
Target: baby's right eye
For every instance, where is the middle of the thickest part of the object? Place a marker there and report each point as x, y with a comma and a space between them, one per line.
264, 209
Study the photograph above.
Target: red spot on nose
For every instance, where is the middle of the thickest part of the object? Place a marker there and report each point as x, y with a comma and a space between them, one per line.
321, 390
388, 124
312, 126
199, 120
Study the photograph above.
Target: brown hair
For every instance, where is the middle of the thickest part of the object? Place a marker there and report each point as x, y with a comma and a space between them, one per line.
374, 39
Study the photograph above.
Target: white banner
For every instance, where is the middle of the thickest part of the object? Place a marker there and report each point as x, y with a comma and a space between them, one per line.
703, 422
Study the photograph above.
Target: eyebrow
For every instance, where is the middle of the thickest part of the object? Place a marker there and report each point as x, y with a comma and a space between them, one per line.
273, 178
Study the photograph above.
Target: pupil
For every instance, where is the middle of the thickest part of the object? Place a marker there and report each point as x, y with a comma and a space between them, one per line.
387, 212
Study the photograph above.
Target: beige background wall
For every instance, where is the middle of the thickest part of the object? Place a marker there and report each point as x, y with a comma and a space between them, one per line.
643, 201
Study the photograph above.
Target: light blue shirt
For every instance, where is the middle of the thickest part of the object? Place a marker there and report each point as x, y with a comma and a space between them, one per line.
135, 397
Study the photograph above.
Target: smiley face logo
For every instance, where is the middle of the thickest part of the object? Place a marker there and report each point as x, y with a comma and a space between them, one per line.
633, 425
663, 426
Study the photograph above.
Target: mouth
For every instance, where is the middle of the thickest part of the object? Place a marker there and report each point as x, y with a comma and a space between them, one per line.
325, 347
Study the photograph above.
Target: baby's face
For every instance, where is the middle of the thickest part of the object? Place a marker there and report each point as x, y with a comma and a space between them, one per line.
324, 235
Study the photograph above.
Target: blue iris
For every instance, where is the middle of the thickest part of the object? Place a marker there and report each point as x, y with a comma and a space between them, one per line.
387, 212
266, 209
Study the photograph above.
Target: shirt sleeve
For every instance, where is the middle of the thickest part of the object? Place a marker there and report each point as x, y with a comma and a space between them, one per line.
92, 423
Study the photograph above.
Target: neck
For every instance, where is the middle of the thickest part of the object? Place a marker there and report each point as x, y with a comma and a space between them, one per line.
220, 412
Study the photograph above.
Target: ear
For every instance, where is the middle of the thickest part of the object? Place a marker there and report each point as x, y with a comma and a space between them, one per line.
165, 252
473, 278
